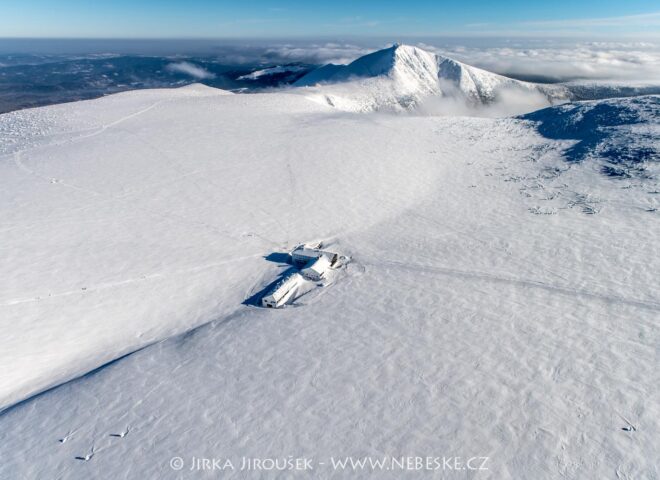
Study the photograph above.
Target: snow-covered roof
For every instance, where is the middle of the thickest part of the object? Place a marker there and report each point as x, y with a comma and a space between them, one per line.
283, 287
318, 267
307, 252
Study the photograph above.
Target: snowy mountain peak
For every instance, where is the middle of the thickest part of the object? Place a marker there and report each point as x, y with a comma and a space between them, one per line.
395, 60
402, 75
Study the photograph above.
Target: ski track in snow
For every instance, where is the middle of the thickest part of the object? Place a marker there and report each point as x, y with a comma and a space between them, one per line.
17, 156
610, 298
128, 281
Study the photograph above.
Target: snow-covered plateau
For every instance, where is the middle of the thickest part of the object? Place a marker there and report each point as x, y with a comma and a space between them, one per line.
502, 301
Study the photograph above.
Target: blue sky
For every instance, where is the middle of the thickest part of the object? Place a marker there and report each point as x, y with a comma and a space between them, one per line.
292, 18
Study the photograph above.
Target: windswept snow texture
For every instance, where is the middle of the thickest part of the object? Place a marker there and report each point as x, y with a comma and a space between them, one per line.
623, 134
402, 77
493, 307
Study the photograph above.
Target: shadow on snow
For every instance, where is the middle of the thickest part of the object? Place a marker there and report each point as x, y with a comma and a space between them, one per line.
604, 130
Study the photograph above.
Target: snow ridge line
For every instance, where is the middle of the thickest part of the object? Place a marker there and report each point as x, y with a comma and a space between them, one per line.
180, 336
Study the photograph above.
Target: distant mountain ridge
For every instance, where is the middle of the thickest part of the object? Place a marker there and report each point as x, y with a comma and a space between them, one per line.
403, 75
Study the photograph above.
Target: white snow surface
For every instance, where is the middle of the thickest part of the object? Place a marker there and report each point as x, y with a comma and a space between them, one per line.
403, 77
481, 315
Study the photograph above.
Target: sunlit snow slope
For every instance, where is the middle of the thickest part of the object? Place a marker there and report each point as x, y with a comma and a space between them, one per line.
503, 300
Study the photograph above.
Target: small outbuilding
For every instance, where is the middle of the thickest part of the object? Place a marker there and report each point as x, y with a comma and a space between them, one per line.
282, 292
